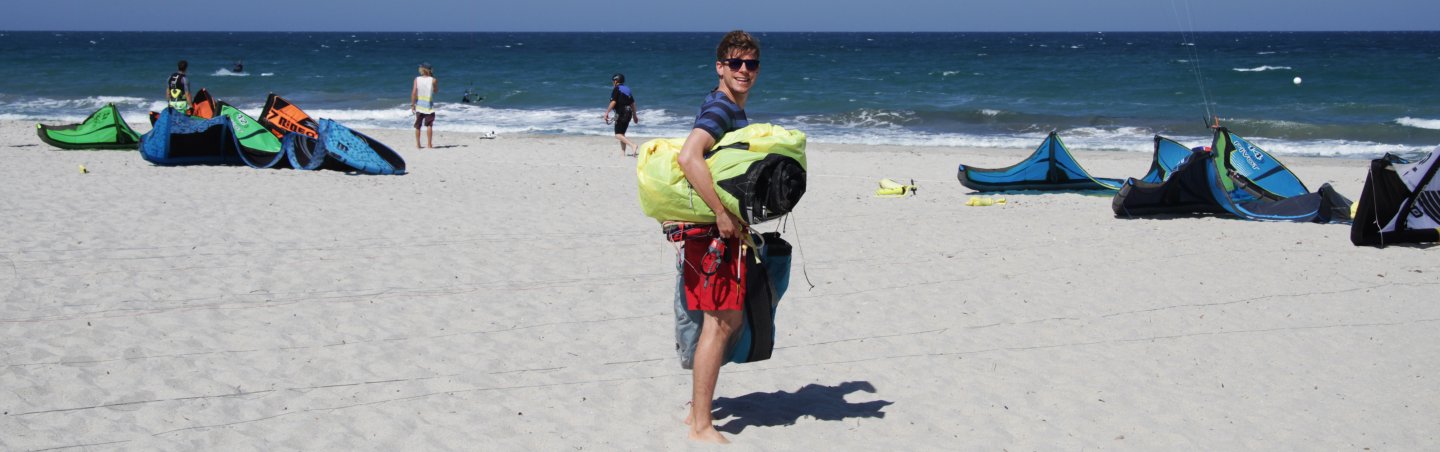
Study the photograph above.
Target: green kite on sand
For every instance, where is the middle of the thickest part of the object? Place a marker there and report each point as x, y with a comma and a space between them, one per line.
104, 129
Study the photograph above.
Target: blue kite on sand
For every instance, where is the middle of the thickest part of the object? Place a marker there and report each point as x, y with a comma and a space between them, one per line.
1235, 177
180, 139
340, 144
1052, 168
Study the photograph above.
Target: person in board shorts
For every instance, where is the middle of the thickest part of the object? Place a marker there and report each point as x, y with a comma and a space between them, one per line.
622, 101
177, 88
710, 278
422, 95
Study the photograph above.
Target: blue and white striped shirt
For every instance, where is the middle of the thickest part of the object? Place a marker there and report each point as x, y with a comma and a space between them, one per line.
718, 115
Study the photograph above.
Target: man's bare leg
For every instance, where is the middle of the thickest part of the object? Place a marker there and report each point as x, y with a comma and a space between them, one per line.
709, 355
429, 136
417, 138
626, 141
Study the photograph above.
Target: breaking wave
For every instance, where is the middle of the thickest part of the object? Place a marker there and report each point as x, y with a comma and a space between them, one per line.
1419, 123
1263, 69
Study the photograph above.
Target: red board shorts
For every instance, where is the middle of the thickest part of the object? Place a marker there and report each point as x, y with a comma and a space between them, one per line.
428, 119
715, 287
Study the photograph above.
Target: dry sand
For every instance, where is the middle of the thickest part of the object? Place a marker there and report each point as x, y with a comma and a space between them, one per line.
508, 294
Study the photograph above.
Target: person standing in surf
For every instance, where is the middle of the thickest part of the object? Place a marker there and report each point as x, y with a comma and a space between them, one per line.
622, 101
422, 95
737, 64
177, 88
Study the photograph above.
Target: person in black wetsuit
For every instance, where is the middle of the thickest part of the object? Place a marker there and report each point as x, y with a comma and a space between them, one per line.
471, 96
177, 88
622, 101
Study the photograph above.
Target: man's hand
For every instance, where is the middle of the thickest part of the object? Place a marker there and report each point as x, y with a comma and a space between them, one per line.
730, 226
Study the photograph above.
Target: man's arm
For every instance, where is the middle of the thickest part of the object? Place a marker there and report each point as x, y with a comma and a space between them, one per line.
697, 172
413, 89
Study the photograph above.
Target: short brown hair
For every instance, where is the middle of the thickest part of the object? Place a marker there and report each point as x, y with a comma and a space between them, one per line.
736, 40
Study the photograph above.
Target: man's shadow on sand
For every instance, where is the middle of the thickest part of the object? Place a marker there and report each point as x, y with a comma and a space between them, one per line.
771, 409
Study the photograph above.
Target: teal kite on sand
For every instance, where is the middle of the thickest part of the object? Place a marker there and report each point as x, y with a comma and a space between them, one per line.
357, 150
1052, 168
1233, 177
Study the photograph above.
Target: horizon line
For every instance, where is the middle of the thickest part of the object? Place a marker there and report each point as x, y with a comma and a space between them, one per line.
721, 31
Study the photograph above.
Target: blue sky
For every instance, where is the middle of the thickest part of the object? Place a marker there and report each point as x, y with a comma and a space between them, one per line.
680, 15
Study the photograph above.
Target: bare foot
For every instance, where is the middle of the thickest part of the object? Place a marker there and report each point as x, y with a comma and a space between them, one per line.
689, 414
708, 435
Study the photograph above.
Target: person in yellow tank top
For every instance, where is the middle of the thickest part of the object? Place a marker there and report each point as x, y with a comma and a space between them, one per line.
422, 95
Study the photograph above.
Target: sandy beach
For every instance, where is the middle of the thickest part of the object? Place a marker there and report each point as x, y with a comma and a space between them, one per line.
508, 294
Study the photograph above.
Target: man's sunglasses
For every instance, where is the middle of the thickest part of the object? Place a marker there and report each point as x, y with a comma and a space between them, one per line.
735, 63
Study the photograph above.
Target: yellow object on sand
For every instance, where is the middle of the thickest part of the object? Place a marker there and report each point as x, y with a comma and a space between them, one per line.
665, 193
986, 201
83, 170
891, 189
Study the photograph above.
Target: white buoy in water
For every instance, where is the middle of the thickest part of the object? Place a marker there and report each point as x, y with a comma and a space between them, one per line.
1297, 80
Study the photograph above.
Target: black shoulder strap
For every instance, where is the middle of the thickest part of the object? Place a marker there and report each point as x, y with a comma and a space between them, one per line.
744, 146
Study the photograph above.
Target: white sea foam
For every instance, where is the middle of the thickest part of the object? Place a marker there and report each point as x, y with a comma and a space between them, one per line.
1333, 148
1279, 124
479, 118
1419, 123
1263, 68
1125, 139
873, 127
66, 111
1104, 133
222, 72
43, 105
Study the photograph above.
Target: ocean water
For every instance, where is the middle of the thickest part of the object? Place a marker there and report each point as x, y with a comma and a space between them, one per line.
1361, 94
